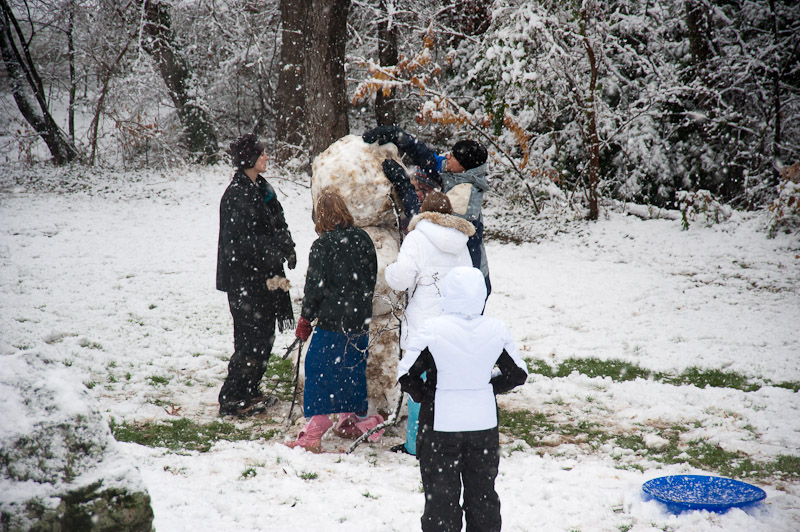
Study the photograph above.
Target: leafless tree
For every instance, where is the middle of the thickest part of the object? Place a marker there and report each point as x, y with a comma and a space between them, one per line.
30, 93
179, 79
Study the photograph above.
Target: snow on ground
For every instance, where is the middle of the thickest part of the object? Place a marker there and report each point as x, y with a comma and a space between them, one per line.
116, 280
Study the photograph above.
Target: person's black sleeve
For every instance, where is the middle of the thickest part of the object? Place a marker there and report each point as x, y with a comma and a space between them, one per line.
412, 382
416, 150
511, 375
402, 184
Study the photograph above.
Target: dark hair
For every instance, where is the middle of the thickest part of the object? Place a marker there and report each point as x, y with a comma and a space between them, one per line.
435, 201
469, 153
246, 150
331, 211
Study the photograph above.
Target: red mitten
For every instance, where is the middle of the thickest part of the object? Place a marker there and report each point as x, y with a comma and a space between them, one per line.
303, 330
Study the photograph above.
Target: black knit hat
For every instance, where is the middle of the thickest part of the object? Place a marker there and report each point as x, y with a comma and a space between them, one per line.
246, 150
469, 153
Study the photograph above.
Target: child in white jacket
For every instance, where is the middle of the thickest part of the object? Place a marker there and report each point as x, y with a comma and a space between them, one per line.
435, 244
467, 358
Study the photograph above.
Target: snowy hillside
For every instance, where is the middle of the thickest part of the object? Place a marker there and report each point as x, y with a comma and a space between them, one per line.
114, 278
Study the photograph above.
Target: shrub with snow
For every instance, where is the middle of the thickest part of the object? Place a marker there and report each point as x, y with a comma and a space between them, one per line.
60, 467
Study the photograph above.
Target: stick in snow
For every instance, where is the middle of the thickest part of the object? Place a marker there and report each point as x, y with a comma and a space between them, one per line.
388, 423
289, 349
296, 376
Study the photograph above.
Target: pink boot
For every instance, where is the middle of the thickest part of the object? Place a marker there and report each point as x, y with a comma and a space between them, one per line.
346, 427
310, 438
371, 422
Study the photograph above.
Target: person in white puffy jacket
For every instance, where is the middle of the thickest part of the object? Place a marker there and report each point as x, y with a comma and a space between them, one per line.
436, 243
467, 358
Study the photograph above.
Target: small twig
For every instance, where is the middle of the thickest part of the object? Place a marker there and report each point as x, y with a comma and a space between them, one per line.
296, 380
388, 423
289, 349
533, 199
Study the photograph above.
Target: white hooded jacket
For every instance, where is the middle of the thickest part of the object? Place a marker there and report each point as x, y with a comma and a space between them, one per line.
435, 244
462, 347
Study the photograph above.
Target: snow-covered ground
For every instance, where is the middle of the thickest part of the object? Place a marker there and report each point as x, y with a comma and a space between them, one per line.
116, 280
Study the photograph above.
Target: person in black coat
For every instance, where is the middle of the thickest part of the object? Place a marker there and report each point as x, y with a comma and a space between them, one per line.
254, 242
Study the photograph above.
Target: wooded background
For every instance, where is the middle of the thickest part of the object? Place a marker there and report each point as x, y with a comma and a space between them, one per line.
654, 102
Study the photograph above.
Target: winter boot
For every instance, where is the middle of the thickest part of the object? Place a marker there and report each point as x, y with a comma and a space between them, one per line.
346, 427
369, 423
310, 438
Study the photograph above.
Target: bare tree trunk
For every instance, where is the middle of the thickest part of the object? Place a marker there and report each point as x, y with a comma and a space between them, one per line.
466, 17
776, 94
72, 81
696, 24
385, 114
178, 78
108, 72
290, 95
593, 137
325, 91
21, 73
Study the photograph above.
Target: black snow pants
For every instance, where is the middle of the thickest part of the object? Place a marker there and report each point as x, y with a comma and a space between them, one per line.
253, 337
446, 461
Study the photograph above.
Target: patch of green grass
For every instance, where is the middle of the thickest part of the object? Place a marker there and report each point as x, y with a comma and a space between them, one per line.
179, 434
785, 465
279, 377
309, 475
524, 425
540, 367
84, 342
533, 426
716, 378
634, 442
620, 371
789, 385
248, 473
155, 380
617, 370
704, 455
630, 467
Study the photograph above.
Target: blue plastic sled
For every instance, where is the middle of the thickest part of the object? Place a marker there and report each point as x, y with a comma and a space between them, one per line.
701, 492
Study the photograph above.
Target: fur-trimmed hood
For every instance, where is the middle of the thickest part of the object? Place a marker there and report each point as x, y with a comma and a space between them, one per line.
445, 220
448, 233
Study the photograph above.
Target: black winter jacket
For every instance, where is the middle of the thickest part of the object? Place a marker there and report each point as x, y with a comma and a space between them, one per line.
254, 239
342, 269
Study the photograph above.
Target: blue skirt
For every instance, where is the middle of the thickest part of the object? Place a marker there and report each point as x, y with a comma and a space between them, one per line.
336, 373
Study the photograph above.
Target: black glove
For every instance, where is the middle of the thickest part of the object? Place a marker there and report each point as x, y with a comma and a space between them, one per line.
382, 135
291, 261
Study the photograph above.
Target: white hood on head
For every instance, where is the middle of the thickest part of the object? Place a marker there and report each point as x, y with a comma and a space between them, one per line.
464, 292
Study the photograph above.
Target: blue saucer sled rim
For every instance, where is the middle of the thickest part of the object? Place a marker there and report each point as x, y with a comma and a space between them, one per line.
702, 492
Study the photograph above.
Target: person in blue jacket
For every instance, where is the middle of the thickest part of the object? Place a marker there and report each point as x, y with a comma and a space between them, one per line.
467, 358
461, 175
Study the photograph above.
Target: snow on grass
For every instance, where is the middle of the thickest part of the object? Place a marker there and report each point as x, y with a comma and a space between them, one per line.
112, 275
